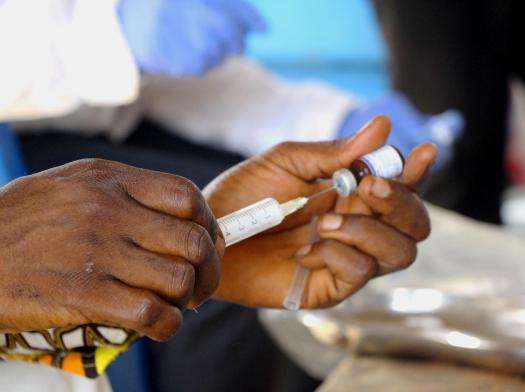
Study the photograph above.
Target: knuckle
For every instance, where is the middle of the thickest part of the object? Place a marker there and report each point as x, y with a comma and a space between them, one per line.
148, 312
92, 164
193, 202
181, 280
358, 222
285, 146
409, 254
368, 267
425, 227
328, 249
199, 246
171, 324
283, 149
100, 171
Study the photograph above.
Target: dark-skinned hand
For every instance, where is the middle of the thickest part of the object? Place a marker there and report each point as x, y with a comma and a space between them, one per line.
370, 233
100, 242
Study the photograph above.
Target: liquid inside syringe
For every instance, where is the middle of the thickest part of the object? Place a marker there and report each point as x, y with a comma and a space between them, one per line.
268, 213
256, 218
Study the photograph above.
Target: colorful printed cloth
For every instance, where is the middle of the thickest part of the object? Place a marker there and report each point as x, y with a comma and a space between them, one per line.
85, 351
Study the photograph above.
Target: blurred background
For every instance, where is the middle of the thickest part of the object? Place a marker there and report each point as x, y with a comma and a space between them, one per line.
433, 65
342, 44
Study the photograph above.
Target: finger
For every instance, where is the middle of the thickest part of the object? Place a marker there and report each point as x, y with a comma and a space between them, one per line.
139, 310
172, 278
172, 195
310, 161
392, 249
165, 234
230, 36
168, 235
352, 205
418, 164
245, 15
207, 282
396, 205
348, 269
416, 169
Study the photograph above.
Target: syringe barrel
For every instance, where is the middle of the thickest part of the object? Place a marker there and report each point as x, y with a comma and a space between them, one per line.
250, 220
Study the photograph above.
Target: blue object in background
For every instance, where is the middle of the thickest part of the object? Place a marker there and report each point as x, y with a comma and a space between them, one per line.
129, 373
409, 126
337, 41
186, 37
11, 163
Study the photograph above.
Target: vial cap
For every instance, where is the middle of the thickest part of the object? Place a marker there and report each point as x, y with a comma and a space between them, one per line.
344, 182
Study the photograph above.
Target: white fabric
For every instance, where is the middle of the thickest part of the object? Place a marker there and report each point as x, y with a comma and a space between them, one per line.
30, 377
243, 107
239, 106
58, 54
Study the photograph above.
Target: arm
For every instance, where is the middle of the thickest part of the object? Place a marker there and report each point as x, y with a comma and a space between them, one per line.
242, 107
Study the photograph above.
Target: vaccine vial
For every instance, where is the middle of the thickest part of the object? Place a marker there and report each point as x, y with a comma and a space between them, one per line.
385, 162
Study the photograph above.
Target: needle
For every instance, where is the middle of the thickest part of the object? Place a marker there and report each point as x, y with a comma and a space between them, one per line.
320, 193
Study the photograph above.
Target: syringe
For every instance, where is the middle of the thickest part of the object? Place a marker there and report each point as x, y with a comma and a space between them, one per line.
268, 213
256, 218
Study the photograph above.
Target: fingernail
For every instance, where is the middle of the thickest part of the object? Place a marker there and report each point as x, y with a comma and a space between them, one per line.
381, 188
303, 251
366, 185
331, 222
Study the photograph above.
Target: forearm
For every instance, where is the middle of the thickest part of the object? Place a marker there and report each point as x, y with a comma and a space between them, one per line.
244, 108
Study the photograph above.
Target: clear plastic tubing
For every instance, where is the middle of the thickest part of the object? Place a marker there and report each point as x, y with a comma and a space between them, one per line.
386, 162
295, 292
256, 218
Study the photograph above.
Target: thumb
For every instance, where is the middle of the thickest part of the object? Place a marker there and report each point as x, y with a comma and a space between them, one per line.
310, 161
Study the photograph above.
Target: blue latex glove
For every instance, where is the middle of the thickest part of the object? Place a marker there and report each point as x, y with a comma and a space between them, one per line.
11, 165
409, 126
186, 37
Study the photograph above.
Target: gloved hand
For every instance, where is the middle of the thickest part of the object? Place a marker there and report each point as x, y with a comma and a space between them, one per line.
409, 126
186, 37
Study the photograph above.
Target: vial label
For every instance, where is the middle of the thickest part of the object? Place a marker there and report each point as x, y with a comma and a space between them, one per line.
384, 162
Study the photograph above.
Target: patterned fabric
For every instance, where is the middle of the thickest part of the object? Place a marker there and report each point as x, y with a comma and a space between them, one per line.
85, 350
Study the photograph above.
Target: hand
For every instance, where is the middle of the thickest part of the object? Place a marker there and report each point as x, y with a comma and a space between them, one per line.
100, 242
372, 232
186, 37
411, 127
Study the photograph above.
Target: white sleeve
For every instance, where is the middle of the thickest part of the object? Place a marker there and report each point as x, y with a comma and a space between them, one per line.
244, 108
58, 54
